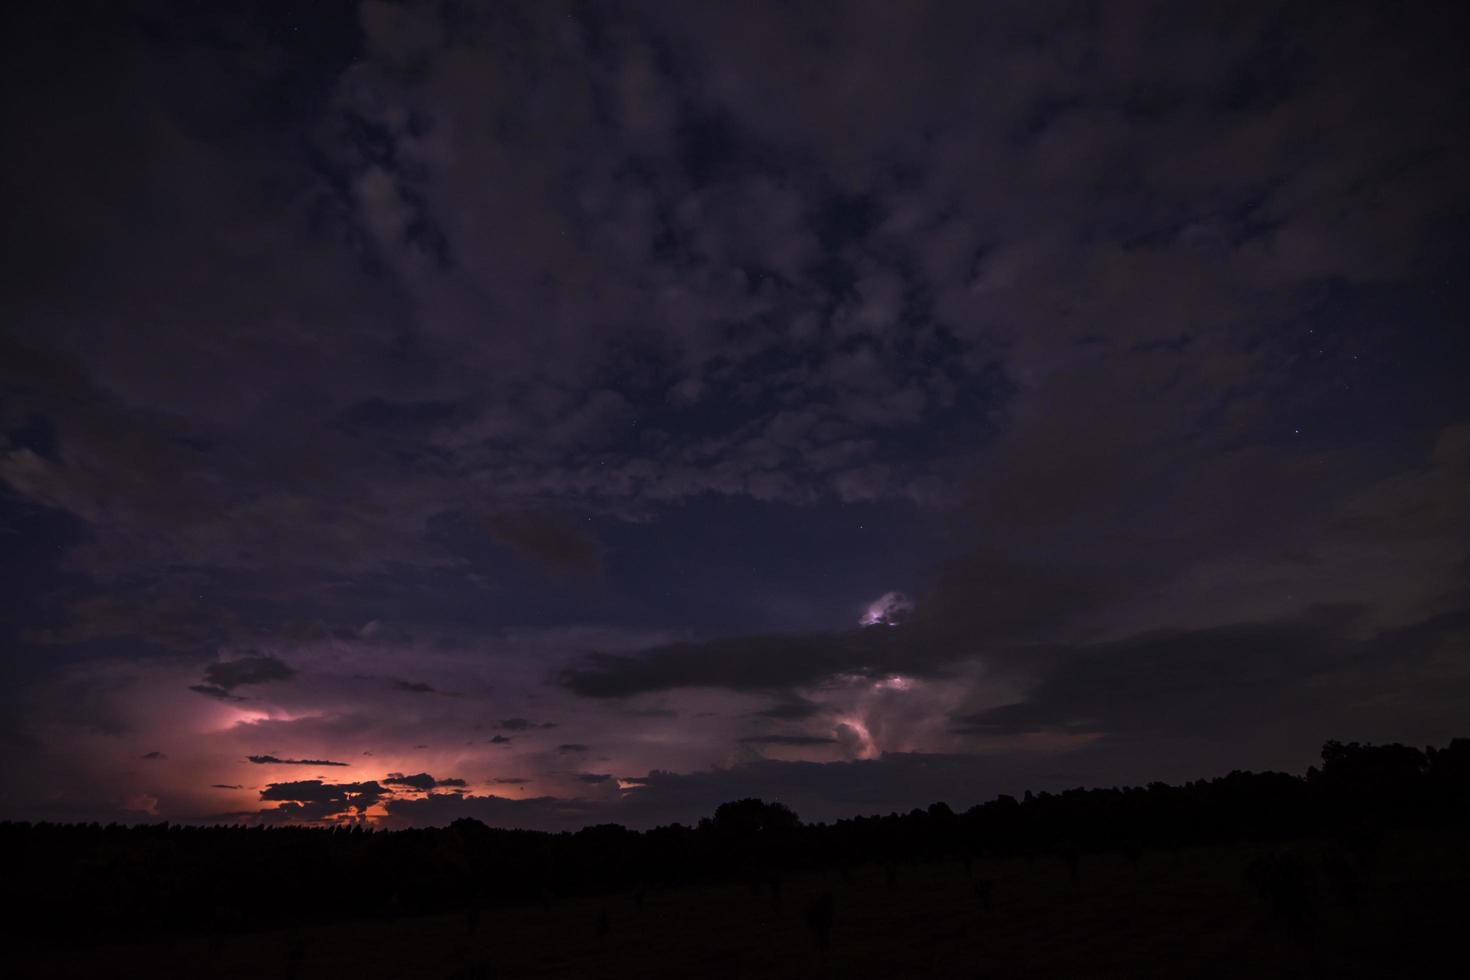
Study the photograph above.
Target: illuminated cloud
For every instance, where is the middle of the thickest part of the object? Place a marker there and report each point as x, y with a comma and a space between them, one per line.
889, 609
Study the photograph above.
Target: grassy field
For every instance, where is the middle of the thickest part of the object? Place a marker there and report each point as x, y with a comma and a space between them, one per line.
1188, 913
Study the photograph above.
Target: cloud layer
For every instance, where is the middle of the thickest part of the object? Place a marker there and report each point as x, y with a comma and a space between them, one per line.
542, 395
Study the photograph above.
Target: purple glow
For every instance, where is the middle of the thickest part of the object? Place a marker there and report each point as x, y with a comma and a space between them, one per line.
889, 609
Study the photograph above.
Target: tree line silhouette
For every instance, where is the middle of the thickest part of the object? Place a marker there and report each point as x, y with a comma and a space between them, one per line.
88, 883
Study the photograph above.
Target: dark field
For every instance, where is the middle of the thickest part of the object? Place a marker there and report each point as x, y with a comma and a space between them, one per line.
1202, 911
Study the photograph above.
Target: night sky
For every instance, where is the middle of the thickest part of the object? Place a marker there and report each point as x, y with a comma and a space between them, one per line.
569, 413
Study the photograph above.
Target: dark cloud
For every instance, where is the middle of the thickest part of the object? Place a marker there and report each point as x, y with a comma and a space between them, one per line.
795, 709
501, 740
556, 541
761, 663
859, 312
270, 760
1277, 683
420, 781
1124, 358
225, 786
154, 755
788, 740
1172, 683
312, 799
568, 748
230, 674
511, 780
218, 693
522, 725
174, 623
593, 777
1010, 613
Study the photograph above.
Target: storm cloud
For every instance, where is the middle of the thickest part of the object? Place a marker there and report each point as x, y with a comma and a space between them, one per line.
421, 781
991, 398
230, 674
270, 760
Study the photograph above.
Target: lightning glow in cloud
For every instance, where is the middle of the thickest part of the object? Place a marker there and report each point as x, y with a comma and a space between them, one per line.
889, 609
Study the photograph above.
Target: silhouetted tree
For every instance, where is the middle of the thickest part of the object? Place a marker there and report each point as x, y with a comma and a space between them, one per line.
749, 817
127, 881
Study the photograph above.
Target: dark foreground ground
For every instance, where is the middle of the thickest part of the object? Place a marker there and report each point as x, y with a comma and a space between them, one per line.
1312, 909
